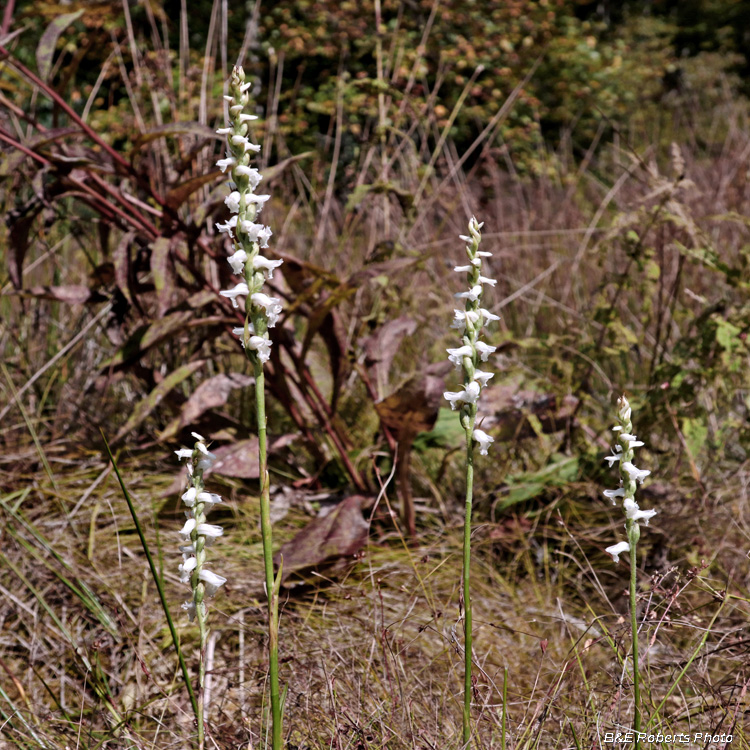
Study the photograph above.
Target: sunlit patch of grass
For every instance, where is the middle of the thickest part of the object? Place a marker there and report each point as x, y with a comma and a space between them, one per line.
373, 652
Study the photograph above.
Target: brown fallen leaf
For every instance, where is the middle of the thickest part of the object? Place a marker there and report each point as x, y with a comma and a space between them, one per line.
237, 460
210, 394
339, 534
509, 407
413, 408
381, 348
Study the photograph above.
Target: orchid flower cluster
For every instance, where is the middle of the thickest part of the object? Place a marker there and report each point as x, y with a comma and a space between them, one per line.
262, 311
630, 477
469, 323
196, 533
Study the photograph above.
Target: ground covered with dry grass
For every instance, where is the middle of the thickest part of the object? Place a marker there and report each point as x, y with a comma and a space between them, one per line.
371, 651
622, 268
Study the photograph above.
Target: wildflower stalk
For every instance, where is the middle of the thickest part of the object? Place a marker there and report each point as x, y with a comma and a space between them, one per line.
261, 313
634, 627
630, 477
467, 583
157, 580
197, 535
272, 586
469, 322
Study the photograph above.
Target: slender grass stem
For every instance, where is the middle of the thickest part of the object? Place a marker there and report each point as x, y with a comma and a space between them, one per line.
689, 662
505, 709
267, 535
634, 626
467, 587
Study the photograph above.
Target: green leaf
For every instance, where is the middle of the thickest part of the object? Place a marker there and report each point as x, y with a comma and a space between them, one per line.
46, 48
447, 432
727, 335
562, 471
145, 407
695, 433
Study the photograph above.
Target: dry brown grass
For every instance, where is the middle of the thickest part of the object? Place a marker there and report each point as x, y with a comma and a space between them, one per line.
371, 653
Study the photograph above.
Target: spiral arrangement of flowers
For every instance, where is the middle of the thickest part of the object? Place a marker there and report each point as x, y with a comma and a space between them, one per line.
196, 533
262, 312
630, 476
249, 236
469, 323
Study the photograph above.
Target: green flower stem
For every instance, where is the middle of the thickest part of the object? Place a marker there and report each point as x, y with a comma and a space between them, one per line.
467, 581
267, 534
200, 610
470, 322
633, 534
261, 313
630, 477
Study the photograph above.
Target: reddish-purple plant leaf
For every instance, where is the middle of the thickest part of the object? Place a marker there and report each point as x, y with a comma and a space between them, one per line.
19, 222
238, 460
176, 128
71, 294
162, 272
121, 260
180, 193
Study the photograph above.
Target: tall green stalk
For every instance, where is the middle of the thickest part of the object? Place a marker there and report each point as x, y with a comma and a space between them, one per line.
469, 322
272, 592
467, 583
631, 526
630, 477
261, 313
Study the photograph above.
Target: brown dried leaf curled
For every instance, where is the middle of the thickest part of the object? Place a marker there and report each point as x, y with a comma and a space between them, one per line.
413, 407
211, 394
340, 533
237, 460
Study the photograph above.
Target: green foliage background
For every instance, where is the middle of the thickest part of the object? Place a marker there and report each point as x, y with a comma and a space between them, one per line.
599, 64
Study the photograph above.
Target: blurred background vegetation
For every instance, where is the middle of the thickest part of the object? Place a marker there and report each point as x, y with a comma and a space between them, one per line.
606, 147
